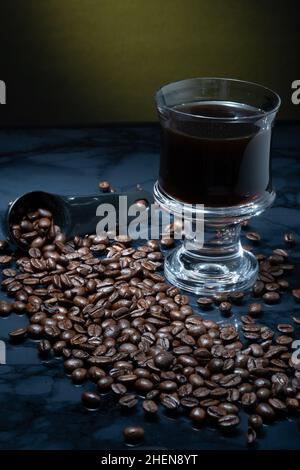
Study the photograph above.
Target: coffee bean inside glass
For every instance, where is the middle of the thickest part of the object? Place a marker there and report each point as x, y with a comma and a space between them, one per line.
215, 152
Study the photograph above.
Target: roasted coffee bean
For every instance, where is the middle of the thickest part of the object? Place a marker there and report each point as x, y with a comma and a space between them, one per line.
230, 380
143, 385
253, 236
251, 436
265, 411
150, 406
277, 404
248, 399
104, 186
44, 347
255, 421
189, 402
205, 302
225, 307
219, 298
164, 360
167, 242
285, 328
229, 408
19, 306
196, 380
104, 383
254, 309
18, 334
91, 400
284, 340
233, 395
289, 238
201, 392
5, 260
58, 347
5, 308
170, 402
237, 297
79, 375
271, 297
72, 364
296, 294
118, 389
3, 245
197, 415
133, 434
292, 403
263, 393
129, 400
228, 421
35, 331
167, 386
258, 288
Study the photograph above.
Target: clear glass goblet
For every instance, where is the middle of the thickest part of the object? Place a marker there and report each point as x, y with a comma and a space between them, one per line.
214, 165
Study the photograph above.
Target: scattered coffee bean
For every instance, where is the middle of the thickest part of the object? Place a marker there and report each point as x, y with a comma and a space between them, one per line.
5, 307
255, 421
104, 186
79, 375
258, 288
129, 400
167, 242
150, 406
164, 360
134, 434
228, 421
253, 237
289, 238
44, 347
117, 322
225, 307
18, 334
5, 260
91, 400
197, 415
254, 309
271, 297
296, 294
3, 245
265, 411
251, 436
285, 328
205, 302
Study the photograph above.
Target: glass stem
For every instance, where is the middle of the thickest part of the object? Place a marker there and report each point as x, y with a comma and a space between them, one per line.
219, 241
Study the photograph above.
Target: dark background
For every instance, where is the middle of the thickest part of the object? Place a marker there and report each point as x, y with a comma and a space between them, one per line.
85, 62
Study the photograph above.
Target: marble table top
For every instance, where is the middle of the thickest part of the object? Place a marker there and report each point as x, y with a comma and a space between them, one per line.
40, 408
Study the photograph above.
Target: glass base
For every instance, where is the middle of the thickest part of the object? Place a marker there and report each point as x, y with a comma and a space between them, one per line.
218, 263
203, 276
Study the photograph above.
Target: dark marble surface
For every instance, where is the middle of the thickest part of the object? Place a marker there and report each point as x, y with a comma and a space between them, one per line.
40, 408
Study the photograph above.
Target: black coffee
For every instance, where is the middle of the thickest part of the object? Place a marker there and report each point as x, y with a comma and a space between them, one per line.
216, 163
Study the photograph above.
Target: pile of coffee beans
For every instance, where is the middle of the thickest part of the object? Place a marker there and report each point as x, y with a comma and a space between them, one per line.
104, 307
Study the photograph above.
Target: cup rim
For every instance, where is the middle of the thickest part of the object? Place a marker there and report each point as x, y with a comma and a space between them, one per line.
260, 114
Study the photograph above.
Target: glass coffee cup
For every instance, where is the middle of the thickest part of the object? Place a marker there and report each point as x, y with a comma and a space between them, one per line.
215, 163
